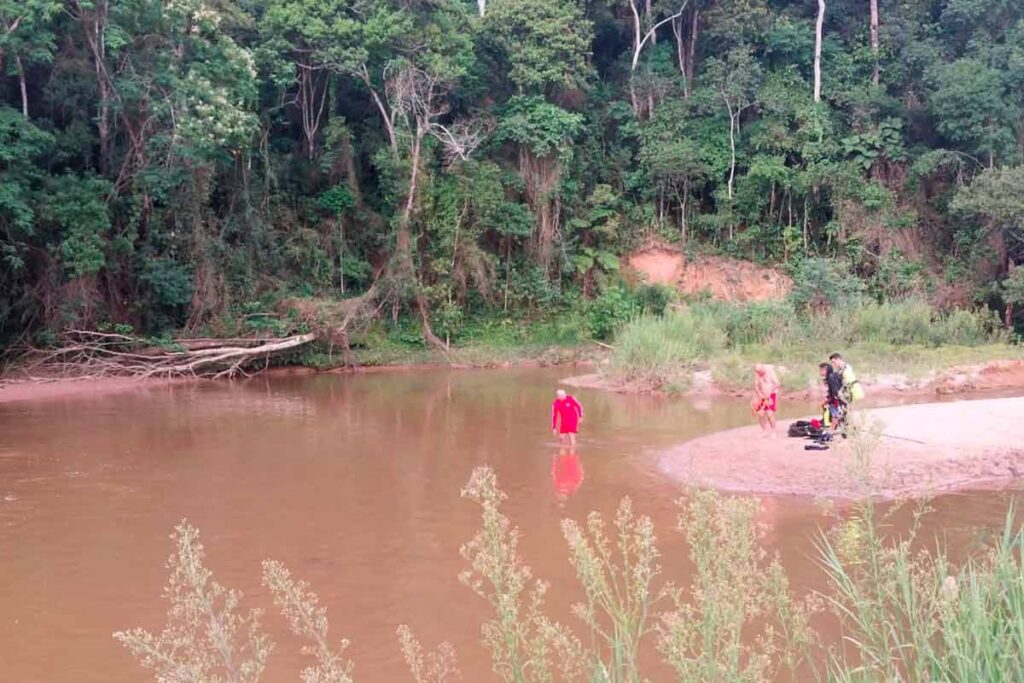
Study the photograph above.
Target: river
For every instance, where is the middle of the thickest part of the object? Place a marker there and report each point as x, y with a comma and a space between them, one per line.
353, 482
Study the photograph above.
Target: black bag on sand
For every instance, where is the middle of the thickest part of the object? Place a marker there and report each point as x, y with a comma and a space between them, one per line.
800, 428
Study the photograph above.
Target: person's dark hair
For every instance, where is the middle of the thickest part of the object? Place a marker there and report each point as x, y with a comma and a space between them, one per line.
835, 356
824, 366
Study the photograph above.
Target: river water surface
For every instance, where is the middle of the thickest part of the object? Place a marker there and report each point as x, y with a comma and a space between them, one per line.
353, 482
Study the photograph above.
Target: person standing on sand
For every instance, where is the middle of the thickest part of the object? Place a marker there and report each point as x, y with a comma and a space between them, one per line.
852, 390
566, 416
834, 406
766, 396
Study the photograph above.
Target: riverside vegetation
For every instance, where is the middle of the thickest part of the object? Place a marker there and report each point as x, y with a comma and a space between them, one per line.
467, 172
909, 339
905, 609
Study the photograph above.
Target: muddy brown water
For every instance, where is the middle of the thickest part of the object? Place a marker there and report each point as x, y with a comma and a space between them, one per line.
354, 483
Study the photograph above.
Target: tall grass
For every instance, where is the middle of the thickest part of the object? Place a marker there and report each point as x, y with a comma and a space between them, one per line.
911, 614
663, 350
906, 610
654, 350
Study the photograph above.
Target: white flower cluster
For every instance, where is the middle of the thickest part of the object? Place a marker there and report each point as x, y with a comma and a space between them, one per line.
213, 119
199, 15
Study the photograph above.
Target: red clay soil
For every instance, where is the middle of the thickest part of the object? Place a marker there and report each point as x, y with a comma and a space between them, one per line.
723, 278
923, 449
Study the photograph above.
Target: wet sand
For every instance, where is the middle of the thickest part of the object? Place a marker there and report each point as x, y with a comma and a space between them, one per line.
921, 449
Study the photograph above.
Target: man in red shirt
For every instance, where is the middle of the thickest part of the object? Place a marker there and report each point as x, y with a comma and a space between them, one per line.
566, 415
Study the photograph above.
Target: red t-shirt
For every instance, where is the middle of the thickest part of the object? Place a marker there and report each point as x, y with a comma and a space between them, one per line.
566, 414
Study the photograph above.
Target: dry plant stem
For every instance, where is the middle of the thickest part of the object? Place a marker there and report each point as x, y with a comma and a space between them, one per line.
439, 666
617, 584
523, 642
707, 637
308, 620
205, 639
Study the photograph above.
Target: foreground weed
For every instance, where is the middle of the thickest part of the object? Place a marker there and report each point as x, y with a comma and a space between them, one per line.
307, 620
522, 641
617, 583
205, 639
908, 614
439, 666
738, 619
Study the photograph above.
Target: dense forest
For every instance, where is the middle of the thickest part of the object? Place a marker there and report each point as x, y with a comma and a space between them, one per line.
172, 165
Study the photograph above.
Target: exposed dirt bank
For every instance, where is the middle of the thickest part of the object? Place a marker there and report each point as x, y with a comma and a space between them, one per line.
723, 278
923, 449
993, 376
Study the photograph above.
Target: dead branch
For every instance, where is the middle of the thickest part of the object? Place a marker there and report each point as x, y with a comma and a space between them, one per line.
86, 354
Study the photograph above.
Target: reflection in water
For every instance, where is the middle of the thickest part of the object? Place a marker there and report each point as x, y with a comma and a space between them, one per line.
353, 482
566, 472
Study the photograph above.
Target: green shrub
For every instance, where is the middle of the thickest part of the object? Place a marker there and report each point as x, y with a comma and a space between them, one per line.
654, 299
611, 309
820, 284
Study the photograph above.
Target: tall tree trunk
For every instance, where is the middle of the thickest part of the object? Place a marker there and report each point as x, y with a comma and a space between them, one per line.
818, 32
682, 212
349, 168
541, 176
692, 58
874, 40
93, 18
341, 253
636, 50
403, 241
481, 6
732, 147
650, 20
681, 53
386, 117
22, 85
312, 102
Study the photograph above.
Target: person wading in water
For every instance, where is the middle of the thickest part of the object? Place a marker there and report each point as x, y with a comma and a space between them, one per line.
766, 397
566, 416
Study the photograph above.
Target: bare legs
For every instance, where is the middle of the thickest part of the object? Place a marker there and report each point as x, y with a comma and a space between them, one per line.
766, 419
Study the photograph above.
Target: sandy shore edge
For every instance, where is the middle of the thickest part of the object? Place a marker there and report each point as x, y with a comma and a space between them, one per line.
922, 449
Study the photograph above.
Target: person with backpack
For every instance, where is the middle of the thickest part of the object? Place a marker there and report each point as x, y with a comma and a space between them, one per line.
834, 408
851, 390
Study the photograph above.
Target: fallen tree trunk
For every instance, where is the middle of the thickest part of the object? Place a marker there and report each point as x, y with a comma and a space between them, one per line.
96, 354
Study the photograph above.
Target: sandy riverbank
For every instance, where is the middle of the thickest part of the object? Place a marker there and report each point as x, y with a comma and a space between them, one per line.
923, 449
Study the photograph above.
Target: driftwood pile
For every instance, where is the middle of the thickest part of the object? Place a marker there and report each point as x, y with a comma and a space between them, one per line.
86, 354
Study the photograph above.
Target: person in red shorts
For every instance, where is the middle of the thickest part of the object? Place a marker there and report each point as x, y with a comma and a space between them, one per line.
766, 397
566, 416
